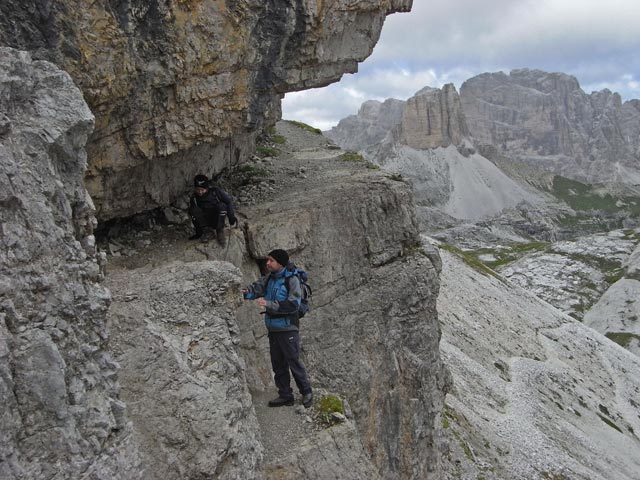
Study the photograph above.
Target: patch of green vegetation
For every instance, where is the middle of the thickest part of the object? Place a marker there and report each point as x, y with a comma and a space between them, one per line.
271, 130
326, 406
609, 422
372, 166
266, 151
306, 127
396, 177
580, 196
622, 339
351, 157
279, 139
612, 269
471, 260
511, 253
445, 422
253, 171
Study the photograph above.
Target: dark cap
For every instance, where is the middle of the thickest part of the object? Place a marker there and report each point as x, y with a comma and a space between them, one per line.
201, 181
280, 256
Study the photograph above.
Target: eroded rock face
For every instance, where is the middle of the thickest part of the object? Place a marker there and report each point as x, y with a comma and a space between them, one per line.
173, 330
59, 395
182, 87
547, 120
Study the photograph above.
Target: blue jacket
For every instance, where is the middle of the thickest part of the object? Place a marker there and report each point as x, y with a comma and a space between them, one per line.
282, 304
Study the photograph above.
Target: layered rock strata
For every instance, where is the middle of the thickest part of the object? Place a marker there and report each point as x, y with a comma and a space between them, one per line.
59, 394
433, 118
182, 87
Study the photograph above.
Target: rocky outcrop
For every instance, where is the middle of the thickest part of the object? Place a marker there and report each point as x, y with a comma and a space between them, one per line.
59, 394
433, 118
547, 120
617, 312
174, 332
181, 87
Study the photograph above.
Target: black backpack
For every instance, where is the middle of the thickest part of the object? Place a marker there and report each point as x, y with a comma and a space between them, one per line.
305, 299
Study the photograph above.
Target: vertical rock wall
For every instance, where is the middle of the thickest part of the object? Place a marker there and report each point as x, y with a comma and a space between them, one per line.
59, 407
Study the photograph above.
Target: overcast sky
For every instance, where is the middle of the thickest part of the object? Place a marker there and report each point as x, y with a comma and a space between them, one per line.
443, 41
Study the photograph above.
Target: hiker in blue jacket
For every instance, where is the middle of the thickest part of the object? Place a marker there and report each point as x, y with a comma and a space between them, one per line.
281, 319
208, 207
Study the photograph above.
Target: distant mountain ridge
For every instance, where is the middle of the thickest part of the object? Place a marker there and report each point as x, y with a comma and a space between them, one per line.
543, 119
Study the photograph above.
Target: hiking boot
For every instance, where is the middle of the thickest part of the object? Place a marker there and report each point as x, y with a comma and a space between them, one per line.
195, 236
280, 402
307, 399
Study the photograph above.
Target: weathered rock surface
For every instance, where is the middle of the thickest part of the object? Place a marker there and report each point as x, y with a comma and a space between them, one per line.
182, 87
173, 331
573, 275
547, 120
536, 394
617, 312
59, 395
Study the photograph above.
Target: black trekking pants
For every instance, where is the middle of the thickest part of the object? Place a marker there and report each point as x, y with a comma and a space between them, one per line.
208, 217
285, 355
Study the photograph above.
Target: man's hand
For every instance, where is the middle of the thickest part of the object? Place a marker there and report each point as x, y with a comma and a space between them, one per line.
233, 222
261, 301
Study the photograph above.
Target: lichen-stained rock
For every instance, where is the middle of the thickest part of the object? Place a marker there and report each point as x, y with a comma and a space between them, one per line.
59, 407
181, 87
173, 331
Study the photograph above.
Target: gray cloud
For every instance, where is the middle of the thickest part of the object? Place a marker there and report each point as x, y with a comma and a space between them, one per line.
442, 41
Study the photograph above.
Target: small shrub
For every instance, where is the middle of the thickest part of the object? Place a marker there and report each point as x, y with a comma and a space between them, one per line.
372, 166
351, 157
267, 151
279, 139
326, 406
396, 177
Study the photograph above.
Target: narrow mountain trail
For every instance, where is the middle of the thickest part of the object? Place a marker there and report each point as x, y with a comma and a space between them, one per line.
299, 166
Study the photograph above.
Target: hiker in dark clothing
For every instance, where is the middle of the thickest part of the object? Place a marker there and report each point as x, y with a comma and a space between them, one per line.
208, 207
281, 319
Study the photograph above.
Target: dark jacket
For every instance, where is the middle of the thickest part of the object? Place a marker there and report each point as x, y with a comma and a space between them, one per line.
215, 198
282, 303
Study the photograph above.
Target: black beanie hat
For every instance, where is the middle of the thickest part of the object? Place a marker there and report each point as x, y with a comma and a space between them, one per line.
280, 256
201, 181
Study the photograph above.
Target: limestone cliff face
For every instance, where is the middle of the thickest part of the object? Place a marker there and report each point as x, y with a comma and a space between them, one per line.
433, 118
180, 87
547, 120
59, 394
